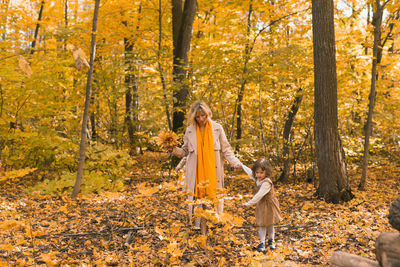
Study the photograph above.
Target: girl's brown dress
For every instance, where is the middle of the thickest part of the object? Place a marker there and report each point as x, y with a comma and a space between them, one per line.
267, 209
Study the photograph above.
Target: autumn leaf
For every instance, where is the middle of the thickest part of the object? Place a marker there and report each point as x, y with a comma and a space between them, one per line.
146, 191
24, 66
80, 59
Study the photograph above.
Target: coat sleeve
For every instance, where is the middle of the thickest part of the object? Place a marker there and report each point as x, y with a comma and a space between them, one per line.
182, 151
181, 164
264, 189
248, 171
227, 149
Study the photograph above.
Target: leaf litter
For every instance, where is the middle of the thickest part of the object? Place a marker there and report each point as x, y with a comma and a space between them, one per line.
147, 224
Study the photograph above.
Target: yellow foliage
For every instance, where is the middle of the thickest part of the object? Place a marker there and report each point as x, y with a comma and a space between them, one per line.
14, 174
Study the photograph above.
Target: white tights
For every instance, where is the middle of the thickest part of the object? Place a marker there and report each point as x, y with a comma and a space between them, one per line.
263, 231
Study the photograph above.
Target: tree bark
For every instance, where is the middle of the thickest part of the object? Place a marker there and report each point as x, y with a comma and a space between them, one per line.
376, 58
286, 134
160, 69
65, 22
82, 149
344, 259
333, 181
243, 81
182, 36
37, 28
132, 92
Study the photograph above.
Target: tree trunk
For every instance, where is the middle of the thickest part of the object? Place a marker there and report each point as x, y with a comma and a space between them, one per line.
93, 116
244, 78
344, 259
182, 36
160, 70
131, 95
376, 57
286, 134
131, 104
65, 22
333, 181
37, 28
82, 149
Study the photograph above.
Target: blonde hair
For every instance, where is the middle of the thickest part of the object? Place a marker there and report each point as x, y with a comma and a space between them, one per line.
196, 109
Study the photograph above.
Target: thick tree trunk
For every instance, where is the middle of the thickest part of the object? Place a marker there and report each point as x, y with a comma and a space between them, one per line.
286, 134
182, 36
37, 28
376, 57
82, 149
333, 181
344, 259
244, 78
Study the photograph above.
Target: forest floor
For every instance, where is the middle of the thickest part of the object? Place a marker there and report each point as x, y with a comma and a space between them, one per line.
147, 224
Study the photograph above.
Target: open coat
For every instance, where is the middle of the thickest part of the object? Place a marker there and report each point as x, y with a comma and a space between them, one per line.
189, 149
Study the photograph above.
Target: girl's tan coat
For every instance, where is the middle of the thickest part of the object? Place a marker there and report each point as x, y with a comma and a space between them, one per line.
189, 149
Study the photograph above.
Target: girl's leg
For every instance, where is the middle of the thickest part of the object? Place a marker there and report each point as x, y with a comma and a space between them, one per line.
271, 237
271, 232
261, 233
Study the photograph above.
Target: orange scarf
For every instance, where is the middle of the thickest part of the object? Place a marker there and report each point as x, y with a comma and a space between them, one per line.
206, 174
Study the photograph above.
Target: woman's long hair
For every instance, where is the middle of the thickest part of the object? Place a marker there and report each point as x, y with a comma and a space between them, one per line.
196, 109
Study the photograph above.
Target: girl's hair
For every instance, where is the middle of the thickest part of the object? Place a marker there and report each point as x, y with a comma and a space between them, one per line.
197, 108
262, 164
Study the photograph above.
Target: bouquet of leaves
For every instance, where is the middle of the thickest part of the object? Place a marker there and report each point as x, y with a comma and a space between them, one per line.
167, 139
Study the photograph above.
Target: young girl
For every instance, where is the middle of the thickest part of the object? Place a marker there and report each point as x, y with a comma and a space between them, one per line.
267, 207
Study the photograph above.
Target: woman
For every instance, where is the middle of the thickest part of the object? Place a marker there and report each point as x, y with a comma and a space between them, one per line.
204, 142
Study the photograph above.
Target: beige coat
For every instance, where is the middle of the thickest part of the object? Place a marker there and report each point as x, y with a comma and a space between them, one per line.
189, 149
